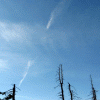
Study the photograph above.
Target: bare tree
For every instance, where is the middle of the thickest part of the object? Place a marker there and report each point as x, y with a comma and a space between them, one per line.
10, 94
93, 90
70, 91
60, 79
13, 98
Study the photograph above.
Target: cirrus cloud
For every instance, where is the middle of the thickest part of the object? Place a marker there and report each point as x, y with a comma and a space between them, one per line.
11, 31
29, 64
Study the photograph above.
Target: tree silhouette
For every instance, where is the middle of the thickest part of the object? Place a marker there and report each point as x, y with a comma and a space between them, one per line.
70, 91
60, 79
93, 90
10, 94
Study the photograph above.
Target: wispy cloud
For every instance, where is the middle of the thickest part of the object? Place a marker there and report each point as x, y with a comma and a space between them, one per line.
55, 13
13, 32
3, 64
29, 64
50, 21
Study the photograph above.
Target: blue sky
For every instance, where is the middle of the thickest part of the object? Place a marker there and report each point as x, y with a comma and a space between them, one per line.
38, 35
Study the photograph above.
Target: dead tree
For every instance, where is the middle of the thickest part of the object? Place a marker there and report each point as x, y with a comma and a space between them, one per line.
13, 97
93, 90
70, 91
10, 94
73, 93
60, 79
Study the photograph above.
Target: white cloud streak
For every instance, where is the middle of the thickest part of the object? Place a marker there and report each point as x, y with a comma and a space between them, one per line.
50, 21
55, 13
30, 63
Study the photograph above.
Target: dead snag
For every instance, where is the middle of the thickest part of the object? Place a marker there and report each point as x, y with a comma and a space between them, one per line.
70, 91
60, 80
93, 90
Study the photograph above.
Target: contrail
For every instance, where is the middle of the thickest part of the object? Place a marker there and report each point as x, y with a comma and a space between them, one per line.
30, 63
50, 22
55, 13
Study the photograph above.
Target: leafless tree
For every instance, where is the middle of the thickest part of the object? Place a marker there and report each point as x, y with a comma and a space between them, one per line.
93, 90
13, 98
60, 80
70, 91
10, 94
